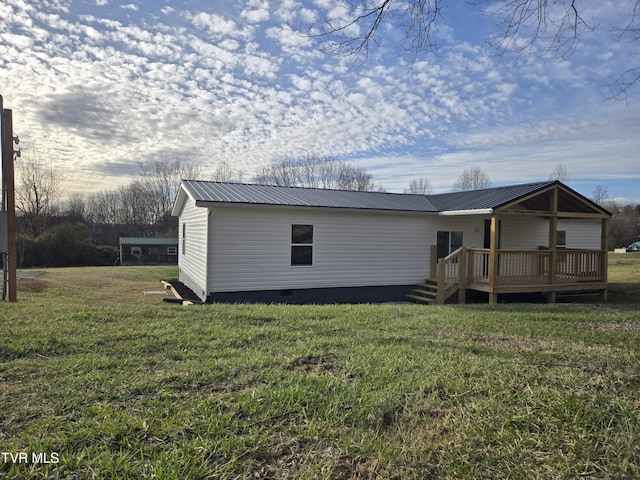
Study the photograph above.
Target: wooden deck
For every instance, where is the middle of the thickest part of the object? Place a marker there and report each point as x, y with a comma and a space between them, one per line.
520, 271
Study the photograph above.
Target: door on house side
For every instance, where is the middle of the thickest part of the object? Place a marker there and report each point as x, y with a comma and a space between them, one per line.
448, 242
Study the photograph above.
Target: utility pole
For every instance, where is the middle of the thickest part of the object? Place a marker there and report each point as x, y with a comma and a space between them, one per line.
9, 205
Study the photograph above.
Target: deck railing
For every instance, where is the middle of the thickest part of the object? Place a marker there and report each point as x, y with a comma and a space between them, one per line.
531, 267
467, 267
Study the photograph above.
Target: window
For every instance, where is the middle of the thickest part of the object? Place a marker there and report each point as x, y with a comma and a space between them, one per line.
561, 239
301, 245
172, 250
184, 238
448, 242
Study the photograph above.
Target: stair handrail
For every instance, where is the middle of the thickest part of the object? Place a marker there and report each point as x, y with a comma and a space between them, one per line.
446, 281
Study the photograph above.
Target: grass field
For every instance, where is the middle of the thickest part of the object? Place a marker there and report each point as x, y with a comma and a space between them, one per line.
101, 381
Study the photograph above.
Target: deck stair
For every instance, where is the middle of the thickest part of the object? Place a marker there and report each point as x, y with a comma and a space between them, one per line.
425, 293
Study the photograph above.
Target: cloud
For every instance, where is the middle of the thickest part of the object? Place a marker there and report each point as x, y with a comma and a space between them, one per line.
238, 83
86, 113
219, 25
257, 11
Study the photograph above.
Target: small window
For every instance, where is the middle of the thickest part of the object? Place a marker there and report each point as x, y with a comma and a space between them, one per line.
301, 245
172, 250
136, 251
184, 238
561, 239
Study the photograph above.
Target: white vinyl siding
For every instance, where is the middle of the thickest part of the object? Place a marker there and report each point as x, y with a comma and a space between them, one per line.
192, 252
524, 232
521, 232
581, 234
251, 249
532, 232
471, 227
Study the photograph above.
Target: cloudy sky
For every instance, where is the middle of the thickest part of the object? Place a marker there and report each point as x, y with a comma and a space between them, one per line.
97, 86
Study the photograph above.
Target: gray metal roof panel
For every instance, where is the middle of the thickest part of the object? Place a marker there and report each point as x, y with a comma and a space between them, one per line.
219, 192
240, 193
484, 198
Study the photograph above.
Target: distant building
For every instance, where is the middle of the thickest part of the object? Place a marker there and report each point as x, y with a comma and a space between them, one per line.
148, 251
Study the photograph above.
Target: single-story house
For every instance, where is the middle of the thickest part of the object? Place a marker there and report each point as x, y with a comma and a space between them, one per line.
148, 250
244, 242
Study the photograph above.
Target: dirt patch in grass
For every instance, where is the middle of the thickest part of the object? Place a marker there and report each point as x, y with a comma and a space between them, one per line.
287, 457
32, 285
316, 363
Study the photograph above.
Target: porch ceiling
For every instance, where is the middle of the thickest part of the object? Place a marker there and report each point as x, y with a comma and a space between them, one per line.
570, 204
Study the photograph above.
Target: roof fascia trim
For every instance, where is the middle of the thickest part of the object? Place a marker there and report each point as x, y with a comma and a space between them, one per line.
476, 211
207, 204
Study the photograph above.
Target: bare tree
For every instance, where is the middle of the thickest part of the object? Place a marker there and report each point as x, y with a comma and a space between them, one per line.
75, 207
561, 174
625, 225
629, 33
600, 195
223, 172
418, 18
420, 186
524, 27
158, 184
37, 188
472, 178
316, 171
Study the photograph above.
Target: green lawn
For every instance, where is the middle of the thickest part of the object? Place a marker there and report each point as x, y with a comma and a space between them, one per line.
115, 384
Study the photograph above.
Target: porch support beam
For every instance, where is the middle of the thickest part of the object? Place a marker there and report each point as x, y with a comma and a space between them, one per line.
545, 213
553, 242
493, 259
604, 245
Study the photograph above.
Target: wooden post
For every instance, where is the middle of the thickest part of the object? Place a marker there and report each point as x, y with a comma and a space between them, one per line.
462, 276
604, 245
493, 259
441, 282
553, 242
10, 202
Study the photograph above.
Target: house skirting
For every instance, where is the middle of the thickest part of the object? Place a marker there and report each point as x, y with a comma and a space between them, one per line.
364, 294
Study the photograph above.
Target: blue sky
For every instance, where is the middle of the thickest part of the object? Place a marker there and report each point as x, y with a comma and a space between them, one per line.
97, 86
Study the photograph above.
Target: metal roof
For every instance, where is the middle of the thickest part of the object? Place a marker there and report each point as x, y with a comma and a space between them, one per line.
484, 198
239, 193
148, 241
206, 192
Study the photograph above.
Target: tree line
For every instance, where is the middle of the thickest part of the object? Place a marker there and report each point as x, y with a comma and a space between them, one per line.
85, 230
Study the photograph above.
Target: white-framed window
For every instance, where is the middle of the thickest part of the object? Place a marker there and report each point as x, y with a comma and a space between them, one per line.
301, 245
184, 238
561, 239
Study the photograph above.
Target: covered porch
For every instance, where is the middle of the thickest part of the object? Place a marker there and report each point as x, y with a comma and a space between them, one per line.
549, 269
